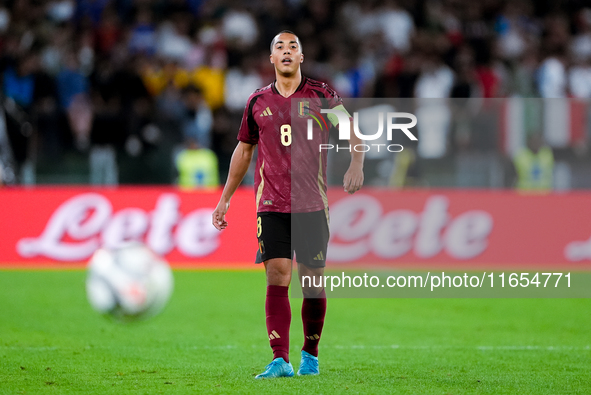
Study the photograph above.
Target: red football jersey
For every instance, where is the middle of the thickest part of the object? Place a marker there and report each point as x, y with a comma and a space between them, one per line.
290, 170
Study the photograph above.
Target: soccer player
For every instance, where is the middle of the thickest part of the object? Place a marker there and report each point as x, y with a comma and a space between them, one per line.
290, 186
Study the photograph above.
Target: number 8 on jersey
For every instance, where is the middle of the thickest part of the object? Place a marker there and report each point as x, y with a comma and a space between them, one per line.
286, 135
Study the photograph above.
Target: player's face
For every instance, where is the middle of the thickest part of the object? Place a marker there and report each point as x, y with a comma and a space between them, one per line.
287, 55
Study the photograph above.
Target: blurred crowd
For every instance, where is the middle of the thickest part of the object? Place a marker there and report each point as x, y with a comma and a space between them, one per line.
126, 78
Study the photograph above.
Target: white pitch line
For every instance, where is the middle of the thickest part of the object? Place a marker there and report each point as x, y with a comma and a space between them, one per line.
418, 347
480, 348
350, 347
26, 348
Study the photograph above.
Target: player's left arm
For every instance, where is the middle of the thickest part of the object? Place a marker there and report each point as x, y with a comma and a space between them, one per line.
353, 180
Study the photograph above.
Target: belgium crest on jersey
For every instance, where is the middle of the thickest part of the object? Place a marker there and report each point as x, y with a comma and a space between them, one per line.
303, 109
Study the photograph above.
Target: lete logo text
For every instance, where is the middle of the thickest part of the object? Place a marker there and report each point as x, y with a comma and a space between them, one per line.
86, 222
359, 227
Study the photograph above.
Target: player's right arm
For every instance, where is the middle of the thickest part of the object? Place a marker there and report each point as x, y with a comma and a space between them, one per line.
238, 167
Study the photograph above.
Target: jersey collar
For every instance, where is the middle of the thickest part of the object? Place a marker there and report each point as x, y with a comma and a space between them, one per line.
300, 86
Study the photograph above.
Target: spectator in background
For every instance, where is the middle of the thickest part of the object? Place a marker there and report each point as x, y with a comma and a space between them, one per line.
524, 75
466, 84
158, 75
399, 76
197, 120
4, 19
534, 165
434, 116
60, 42
109, 130
143, 34
210, 79
108, 32
435, 80
579, 75
581, 43
196, 164
240, 83
491, 73
7, 171
207, 61
516, 30
73, 93
579, 79
18, 82
363, 20
90, 10
553, 69
397, 25
552, 81
344, 75
239, 27
173, 40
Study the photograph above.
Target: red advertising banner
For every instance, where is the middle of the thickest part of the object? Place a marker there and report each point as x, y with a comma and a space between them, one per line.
417, 228
47, 225
465, 228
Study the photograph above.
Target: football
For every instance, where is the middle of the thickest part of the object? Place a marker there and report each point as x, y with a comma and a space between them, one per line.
128, 283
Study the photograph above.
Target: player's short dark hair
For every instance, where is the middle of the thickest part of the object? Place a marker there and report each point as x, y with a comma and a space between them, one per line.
289, 32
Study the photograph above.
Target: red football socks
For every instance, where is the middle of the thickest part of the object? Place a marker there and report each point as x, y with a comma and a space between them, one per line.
313, 312
278, 319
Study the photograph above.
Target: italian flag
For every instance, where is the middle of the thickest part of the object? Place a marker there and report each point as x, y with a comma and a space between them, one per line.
563, 122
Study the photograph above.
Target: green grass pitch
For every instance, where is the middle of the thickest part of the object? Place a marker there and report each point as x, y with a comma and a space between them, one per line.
211, 338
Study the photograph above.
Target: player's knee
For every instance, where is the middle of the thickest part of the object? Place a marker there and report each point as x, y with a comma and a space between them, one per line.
278, 278
278, 274
312, 281
312, 292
